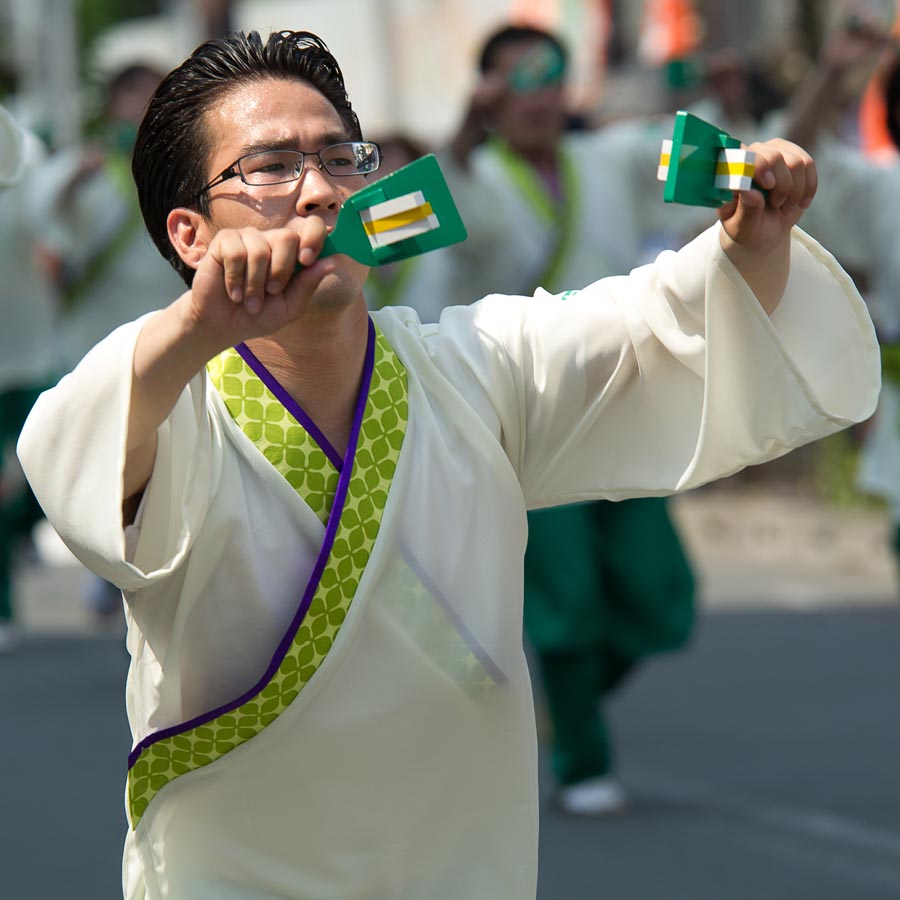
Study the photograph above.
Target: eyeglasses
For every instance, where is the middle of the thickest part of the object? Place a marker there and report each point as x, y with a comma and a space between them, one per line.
282, 166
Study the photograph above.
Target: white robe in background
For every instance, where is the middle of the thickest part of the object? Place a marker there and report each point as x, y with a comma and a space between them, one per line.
84, 215
28, 333
388, 778
12, 149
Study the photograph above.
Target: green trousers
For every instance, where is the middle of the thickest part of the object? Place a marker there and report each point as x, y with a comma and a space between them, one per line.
19, 511
606, 584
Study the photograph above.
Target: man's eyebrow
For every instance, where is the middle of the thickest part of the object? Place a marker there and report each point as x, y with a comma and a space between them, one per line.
325, 140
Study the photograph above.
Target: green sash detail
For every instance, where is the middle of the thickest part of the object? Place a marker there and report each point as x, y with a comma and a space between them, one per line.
562, 216
284, 442
277, 434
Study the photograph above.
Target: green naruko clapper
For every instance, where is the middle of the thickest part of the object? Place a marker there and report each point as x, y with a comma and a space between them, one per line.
692, 164
408, 212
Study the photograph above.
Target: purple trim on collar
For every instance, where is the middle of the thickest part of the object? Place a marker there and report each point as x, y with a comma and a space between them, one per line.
334, 519
289, 403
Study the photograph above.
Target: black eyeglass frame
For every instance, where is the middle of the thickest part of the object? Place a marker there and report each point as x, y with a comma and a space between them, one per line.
235, 170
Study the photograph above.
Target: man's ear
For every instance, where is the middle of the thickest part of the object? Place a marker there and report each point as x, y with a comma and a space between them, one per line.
188, 234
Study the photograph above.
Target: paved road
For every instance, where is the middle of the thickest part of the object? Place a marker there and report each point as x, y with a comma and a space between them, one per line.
763, 762
63, 745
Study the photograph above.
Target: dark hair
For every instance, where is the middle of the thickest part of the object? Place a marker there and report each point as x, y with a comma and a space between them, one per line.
516, 34
172, 140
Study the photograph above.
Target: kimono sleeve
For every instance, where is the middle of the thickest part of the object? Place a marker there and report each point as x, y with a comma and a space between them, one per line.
674, 375
72, 451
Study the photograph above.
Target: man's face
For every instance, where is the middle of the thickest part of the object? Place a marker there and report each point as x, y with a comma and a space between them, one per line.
530, 120
276, 113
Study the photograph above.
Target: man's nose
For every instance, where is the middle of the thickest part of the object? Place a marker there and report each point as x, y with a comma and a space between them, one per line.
317, 189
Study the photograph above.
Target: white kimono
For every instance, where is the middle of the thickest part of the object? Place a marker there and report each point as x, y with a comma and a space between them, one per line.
339, 708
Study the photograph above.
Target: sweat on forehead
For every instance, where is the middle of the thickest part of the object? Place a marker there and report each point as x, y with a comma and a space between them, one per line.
249, 105
265, 115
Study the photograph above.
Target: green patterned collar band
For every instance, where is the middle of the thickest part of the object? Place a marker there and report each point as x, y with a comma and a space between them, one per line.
291, 405
345, 468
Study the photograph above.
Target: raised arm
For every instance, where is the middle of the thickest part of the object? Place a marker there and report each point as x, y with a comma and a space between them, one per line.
848, 51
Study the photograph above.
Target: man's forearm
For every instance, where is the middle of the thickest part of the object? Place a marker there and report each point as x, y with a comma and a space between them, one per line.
167, 355
766, 272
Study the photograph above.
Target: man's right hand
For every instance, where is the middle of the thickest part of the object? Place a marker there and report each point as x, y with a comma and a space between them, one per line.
247, 285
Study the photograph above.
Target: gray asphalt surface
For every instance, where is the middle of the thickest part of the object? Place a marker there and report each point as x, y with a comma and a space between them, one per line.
761, 762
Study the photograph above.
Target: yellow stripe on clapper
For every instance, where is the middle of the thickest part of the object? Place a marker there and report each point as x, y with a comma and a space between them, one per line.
665, 157
379, 226
732, 168
398, 219
735, 168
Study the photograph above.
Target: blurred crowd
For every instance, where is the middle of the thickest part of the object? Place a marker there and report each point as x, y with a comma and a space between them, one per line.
552, 197
76, 262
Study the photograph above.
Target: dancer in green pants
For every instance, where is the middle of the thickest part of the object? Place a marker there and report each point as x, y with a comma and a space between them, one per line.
606, 584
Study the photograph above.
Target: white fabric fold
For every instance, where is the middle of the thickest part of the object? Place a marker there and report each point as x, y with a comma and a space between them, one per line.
635, 386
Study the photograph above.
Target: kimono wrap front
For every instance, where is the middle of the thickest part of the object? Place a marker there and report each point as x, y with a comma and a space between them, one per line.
398, 759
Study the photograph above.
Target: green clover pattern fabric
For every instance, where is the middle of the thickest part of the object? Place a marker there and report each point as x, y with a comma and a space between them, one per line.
294, 453
279, 436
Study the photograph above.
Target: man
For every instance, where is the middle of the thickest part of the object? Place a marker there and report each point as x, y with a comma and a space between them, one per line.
528, 186
328, 691
529, 190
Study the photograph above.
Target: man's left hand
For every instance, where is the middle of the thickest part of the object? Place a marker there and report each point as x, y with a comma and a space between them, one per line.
756, 230
788, 173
